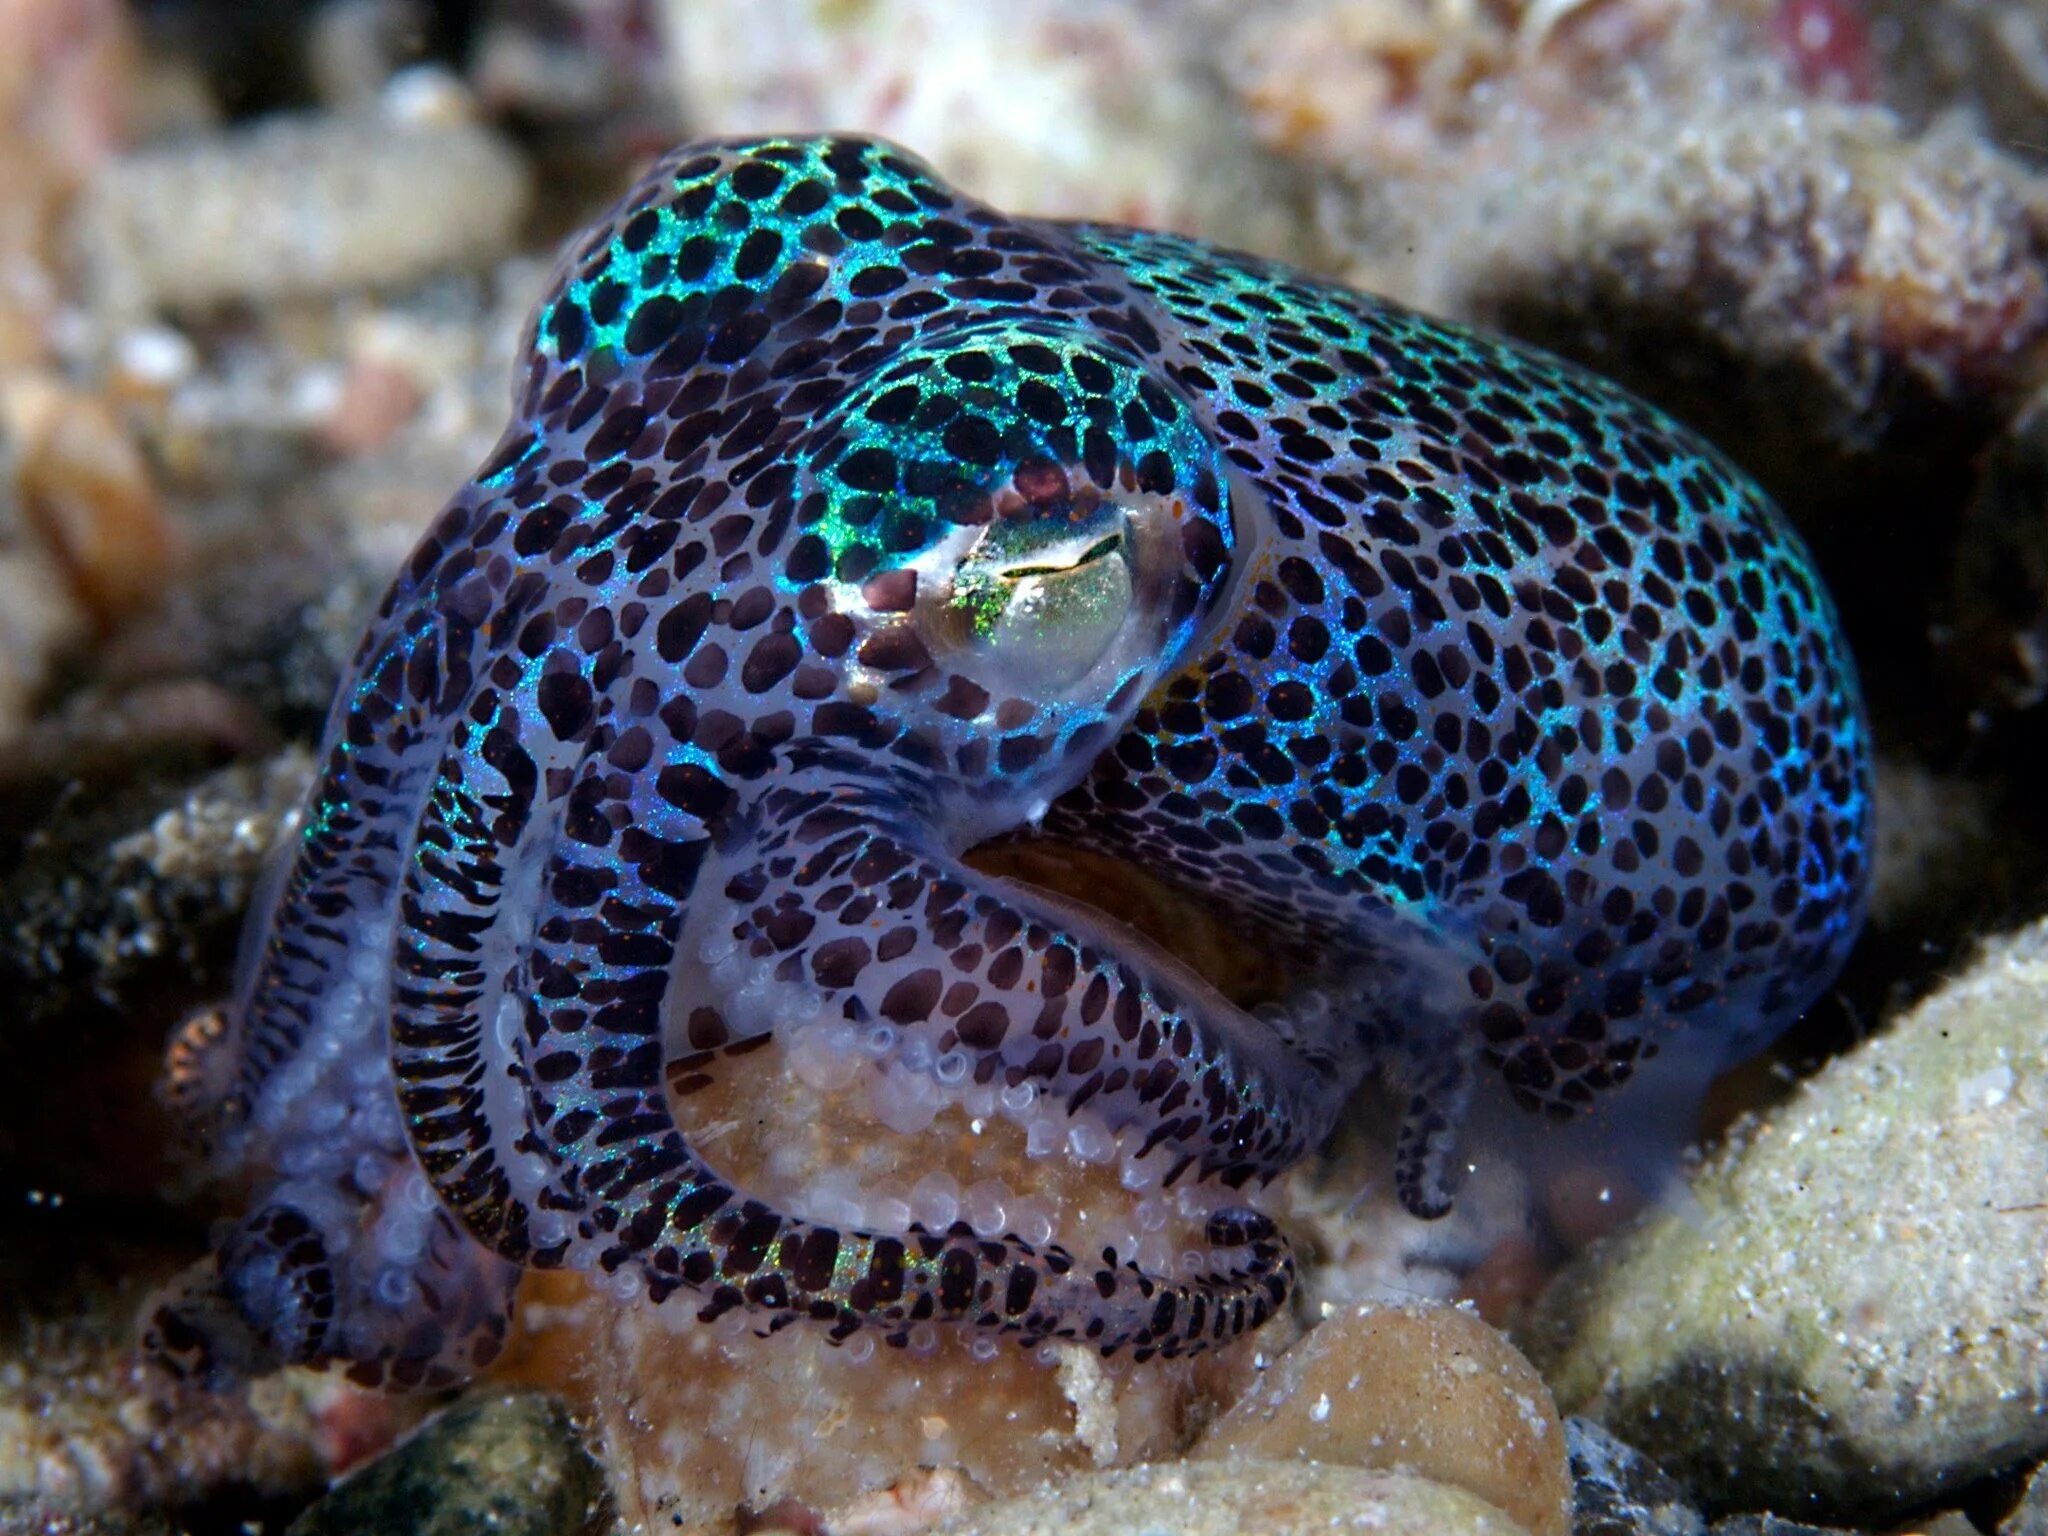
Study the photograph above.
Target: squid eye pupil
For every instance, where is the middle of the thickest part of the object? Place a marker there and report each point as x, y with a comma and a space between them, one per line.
1045, 613
1108, 546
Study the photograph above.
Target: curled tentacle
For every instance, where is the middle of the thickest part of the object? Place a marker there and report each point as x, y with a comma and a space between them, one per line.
310, 964
396, 1290
632, 1191
466, 913
860, 914
349, 1257
264, 1298
1436, 1087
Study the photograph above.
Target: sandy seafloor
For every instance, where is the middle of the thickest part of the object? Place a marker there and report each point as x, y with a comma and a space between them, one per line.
263, 268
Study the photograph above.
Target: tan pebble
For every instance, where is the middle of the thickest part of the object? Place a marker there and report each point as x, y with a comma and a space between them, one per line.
698, 1419
29, 290
428, 96
88, 495
1430, 1389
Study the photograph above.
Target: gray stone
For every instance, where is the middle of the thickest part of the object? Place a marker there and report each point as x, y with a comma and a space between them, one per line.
1850, 1315
1618, 1491
511, 1463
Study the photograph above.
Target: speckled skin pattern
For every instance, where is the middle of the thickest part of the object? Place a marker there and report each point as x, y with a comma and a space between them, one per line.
844, 523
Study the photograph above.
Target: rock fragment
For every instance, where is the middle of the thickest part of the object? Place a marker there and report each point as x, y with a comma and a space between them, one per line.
1056, 107
1850, 1316
1863, 269
1986, 58
297, 207
1618, 1491
26, 1522
510, 1462
40, 620
1226, 1498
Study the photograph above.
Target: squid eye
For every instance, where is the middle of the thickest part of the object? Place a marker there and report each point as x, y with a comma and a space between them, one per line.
1045, 605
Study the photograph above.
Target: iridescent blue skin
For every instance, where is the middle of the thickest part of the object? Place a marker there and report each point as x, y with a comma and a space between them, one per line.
844, 523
